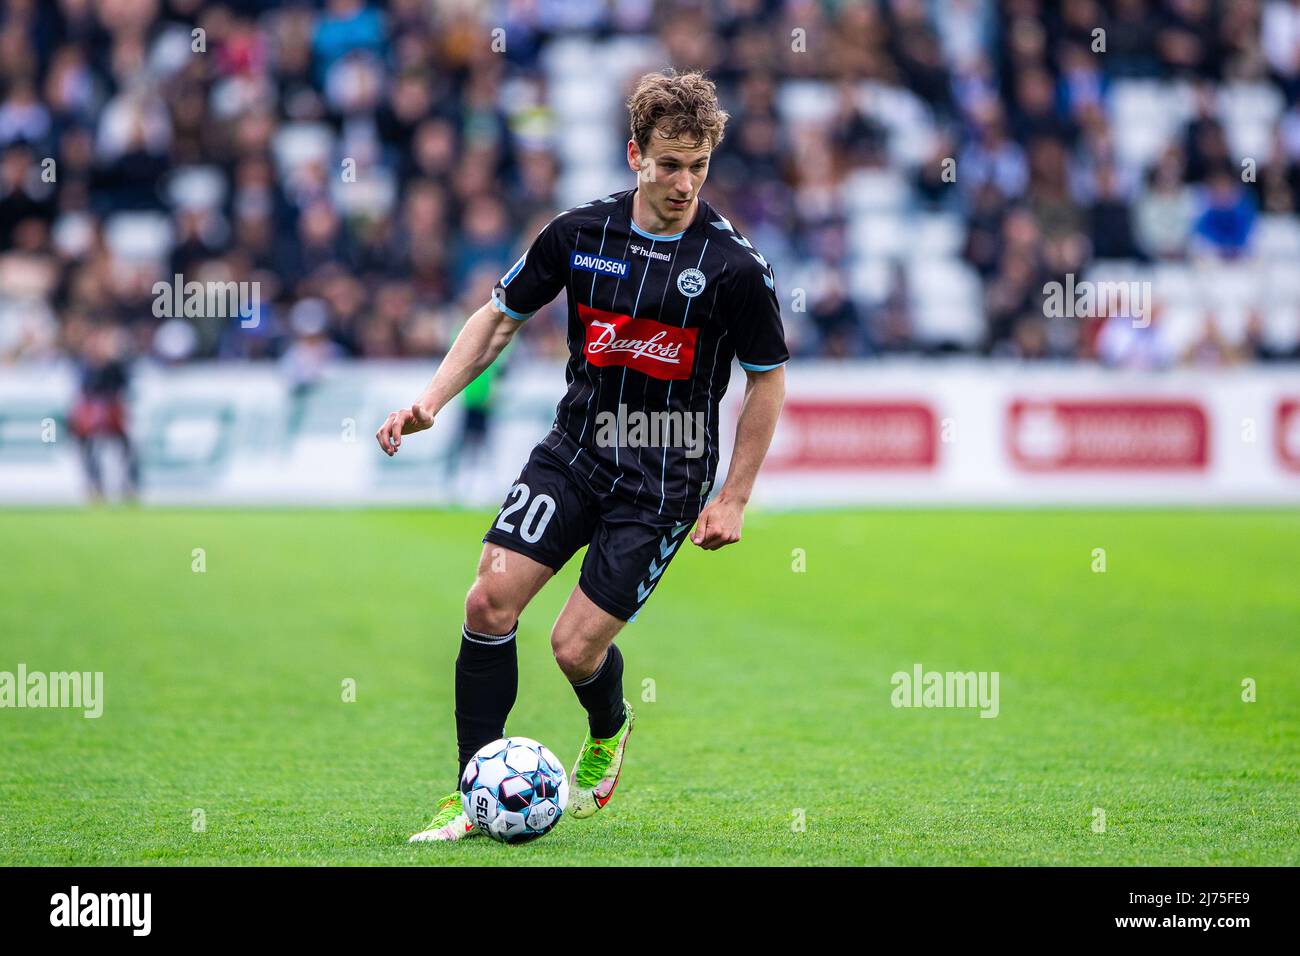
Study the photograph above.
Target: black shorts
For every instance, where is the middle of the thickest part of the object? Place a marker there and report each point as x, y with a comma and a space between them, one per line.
551, 512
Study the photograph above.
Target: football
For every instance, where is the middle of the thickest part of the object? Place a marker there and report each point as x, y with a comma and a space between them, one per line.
514, 790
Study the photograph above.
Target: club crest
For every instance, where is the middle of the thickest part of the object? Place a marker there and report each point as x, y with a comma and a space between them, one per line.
690, 282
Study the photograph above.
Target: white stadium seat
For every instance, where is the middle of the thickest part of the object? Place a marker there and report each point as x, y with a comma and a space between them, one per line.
873, 190
138, 236
1281, 327
1277, 237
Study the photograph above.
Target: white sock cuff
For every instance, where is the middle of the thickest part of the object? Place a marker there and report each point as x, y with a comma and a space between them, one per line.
475, 637
594, 674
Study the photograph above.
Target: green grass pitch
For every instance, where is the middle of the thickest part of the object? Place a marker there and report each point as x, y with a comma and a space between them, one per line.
771, 691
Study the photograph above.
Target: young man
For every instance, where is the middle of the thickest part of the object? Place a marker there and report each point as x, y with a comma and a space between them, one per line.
662, 293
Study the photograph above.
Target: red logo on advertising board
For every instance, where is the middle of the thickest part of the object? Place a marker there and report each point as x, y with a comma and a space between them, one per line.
660, 351
856, 434
1287, 434
1082, 434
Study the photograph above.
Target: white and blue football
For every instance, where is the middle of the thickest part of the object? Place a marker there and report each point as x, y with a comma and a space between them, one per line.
514, 790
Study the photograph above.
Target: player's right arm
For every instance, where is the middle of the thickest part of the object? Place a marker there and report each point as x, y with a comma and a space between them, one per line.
485, 335
534, 280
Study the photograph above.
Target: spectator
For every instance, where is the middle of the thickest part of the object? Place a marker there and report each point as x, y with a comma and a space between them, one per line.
1165, 211
1110, 228
382, 159
1225, 215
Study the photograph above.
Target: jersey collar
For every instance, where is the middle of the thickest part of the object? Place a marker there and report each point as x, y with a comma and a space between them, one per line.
701, 217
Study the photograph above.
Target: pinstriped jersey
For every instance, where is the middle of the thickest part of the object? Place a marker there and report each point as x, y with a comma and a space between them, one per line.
654, 323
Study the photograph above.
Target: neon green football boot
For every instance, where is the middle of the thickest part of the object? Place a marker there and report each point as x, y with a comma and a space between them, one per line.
595, 775
449, 822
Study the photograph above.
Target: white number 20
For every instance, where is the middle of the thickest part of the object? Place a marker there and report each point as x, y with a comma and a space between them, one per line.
536, 517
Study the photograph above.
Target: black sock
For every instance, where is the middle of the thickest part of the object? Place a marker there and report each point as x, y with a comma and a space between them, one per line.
602, 695
487, 679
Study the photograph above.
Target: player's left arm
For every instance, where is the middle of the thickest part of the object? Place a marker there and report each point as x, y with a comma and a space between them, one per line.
720, 522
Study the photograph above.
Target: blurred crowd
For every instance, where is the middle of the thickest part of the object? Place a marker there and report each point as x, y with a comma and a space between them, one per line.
373, 168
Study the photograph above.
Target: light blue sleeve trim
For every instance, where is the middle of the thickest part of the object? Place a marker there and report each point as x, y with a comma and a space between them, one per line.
500, 304
514, 271
760, 368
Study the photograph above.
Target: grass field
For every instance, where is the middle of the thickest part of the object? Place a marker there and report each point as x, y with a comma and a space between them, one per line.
1119, 690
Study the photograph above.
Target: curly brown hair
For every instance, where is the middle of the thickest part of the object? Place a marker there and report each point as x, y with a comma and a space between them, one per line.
680, 105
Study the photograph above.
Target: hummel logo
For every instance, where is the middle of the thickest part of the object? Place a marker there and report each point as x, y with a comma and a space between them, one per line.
641, 250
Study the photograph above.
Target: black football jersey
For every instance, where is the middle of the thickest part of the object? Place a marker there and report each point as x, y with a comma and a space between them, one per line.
654, 323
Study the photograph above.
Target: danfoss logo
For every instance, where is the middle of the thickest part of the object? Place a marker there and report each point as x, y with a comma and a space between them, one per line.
654, 347
660, 351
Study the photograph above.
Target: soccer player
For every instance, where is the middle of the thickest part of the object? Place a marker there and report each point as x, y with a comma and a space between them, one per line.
663, 293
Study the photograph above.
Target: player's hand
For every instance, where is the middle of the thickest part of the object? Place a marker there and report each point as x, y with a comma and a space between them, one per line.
719, 524
404, 421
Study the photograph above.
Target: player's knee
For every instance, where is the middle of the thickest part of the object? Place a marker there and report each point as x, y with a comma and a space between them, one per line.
570, 654
488, 613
